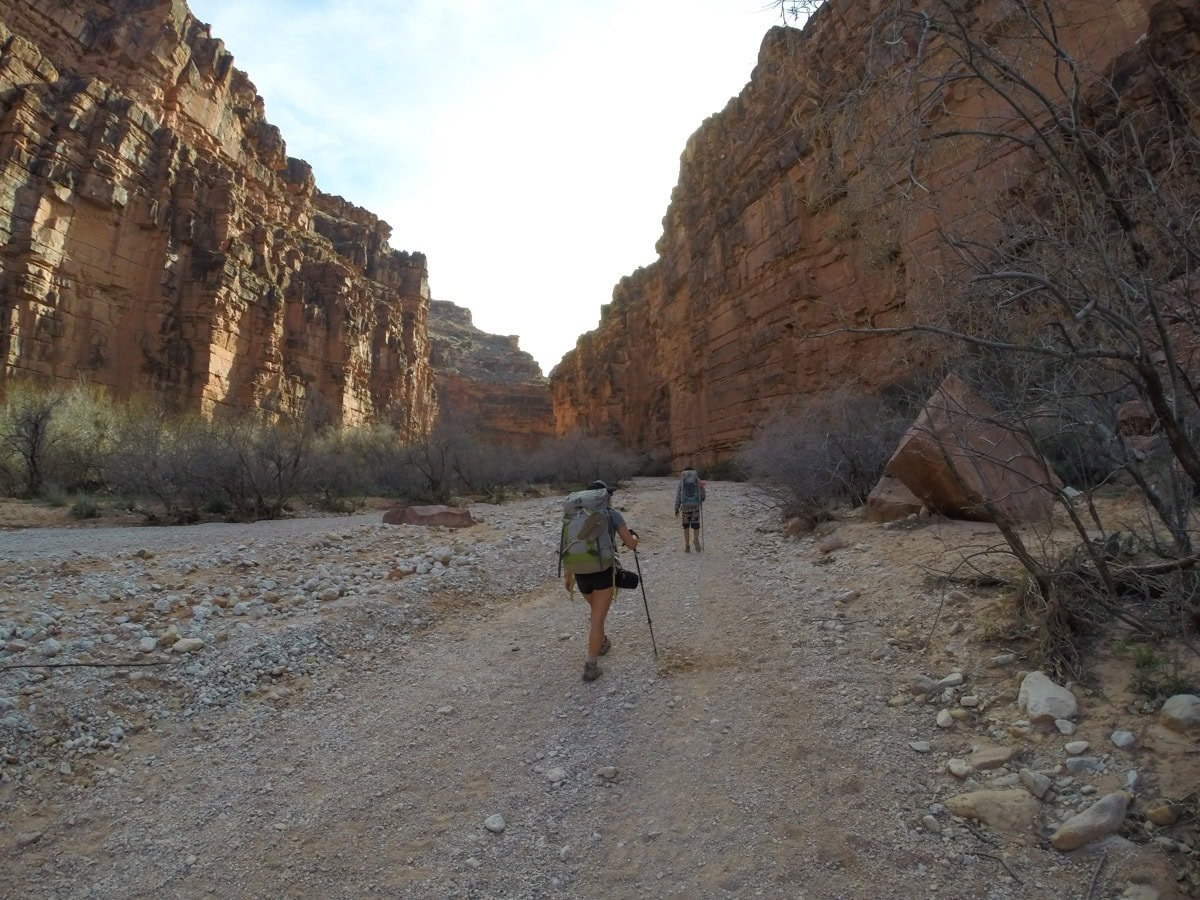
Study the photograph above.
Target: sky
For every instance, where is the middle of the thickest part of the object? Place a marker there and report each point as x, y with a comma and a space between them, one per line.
527, 147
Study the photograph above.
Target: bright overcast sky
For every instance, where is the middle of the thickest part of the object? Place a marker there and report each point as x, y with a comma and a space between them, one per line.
528, 147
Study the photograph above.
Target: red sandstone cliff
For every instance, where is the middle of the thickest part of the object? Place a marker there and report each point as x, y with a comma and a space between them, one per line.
486, 380
155, 236
778, 230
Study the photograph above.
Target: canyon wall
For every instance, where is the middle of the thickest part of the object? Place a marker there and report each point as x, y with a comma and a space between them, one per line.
784, 227
485, 381
156, 238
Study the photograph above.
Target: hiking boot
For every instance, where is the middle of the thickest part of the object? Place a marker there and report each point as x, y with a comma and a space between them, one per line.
591, 671
687, 548
697, 545
606, 646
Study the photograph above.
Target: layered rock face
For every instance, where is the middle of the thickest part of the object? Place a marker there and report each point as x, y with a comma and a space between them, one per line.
486, 381
155, 236
779, 230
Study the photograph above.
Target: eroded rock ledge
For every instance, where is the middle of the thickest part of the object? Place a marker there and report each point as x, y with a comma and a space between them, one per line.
156, 236
486, 380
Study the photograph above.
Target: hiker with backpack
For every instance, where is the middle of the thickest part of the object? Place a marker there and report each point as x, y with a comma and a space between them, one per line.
689, 498
587, 554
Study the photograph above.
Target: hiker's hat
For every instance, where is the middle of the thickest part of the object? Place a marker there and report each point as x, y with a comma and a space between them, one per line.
596, 485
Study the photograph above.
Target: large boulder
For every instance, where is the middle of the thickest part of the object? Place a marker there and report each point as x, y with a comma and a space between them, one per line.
964, 462
428, 515
890, 500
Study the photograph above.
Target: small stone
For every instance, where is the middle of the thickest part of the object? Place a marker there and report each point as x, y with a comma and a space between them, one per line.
1162, 812
1077, 748
64, 768
148, 644
556, 776
970, 701
50, 647
1181, 712
564, 852
1124, 739
991, 758
1065, 727
1078, 765
1004, 659
1036, 783
187, 645
445, 710
608, 773
922, 684
1102, 818
931, 824
25, 838
919, 746
945, 719
494, 823
1044, 701
959, 768
954, 679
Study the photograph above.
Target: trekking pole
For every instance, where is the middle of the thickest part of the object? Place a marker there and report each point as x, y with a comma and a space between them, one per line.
645, 602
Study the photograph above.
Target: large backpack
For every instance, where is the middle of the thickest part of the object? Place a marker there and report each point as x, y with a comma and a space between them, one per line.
690, 494
586, 545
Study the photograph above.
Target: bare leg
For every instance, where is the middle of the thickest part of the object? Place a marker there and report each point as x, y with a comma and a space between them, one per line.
599, 601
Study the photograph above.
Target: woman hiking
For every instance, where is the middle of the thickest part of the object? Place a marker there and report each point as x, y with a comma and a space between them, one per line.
598, 588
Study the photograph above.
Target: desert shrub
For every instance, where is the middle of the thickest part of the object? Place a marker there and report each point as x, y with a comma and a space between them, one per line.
83, 428
577, 458
725, 470
85, 507
1156, 676
823, 455
653, 463
27, 439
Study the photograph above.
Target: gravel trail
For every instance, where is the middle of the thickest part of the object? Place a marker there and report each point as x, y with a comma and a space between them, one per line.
758, 755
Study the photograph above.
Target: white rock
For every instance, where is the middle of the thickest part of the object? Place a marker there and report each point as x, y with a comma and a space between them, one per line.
945, 719
1075, 748
1036, 783
608, 773
1181, 712
556, 775
147, 644
50, 647
1065, 727
959, 768
494, 823
187, 645
1044, 701
1124, 739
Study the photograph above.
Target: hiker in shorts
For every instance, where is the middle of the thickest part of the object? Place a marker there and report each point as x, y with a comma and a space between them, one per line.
689, 497
598, 589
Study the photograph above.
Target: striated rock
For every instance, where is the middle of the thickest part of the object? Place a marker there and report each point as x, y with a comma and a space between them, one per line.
157, 237
1102, 818
962, 461
776, 232
486, 380
429, 515
1006, 810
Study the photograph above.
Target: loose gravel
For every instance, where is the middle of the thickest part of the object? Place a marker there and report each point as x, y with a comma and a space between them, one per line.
338, 708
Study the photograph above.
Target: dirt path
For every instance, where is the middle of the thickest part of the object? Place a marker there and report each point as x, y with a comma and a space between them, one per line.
757, 756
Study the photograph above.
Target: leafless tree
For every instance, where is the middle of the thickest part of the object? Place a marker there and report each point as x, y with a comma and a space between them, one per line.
26, 431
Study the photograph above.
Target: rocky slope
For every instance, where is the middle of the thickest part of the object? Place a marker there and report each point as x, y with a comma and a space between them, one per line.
156, 237
486, 379
779, 229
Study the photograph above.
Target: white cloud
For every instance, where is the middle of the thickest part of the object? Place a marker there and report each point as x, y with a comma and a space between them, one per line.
528, 148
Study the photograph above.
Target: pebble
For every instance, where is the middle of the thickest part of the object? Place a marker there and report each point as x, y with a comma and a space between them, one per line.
1124, 739
445, 710
494, 823
608, 773
187, 645
919, 746
556, 776
1076, 748
945, 719
959, 768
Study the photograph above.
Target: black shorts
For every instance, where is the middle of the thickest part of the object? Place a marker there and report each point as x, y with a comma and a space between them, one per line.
690, 515
596, 581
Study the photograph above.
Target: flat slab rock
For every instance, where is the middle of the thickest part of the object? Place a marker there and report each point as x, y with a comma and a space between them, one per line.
446, 516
